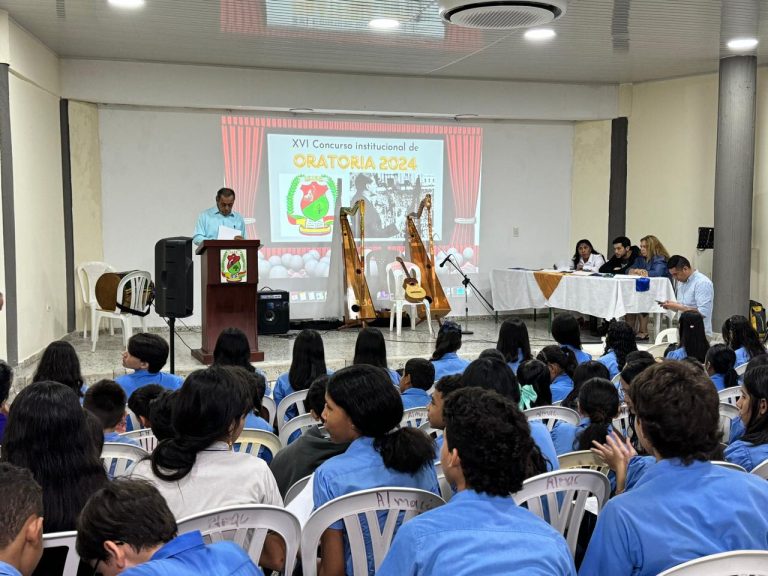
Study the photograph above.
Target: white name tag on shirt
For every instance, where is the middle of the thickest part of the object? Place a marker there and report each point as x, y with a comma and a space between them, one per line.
227, 233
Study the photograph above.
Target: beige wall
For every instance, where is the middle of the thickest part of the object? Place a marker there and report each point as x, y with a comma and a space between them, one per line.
590, 184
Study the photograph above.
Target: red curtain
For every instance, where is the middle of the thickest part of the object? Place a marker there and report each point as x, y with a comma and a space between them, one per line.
464, 158
243, 149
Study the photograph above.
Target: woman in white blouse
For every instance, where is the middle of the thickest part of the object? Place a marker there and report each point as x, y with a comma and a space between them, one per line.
586, 258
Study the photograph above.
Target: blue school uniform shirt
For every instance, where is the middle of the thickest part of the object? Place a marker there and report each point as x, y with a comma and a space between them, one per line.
676, 513
543, 440
188, 555
3, 422
449, 364
282, 389
564, 435
742, 356
516, 364
719, 381
414, 398
581, 356
132, 382
257, 422
737, 429
745, 454
359, 468
677, 354
8, 570
207, 227
561, 387
475, 533
115, 437
610, 362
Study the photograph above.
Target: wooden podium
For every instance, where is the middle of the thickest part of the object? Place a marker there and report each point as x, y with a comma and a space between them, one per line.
229, 278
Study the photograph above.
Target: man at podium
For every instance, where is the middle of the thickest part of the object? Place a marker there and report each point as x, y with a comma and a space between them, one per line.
220, 222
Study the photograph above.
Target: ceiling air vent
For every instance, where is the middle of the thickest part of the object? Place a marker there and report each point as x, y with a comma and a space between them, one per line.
501, 14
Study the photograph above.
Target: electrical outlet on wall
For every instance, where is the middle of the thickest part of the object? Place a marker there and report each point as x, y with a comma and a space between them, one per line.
515, 232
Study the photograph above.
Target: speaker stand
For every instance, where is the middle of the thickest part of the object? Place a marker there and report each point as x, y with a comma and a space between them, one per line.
172, 326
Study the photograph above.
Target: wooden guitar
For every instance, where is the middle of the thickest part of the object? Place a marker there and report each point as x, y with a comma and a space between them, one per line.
413, 291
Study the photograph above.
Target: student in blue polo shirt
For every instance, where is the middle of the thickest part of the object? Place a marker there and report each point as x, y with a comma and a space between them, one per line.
443, 387
21, 521
444, 357
720, 363
561, 363
742, 338
514, 343
619, 341
146, 355
362, 407
535, 374
486, 455
106, 401
752, 448
418, 377
692, 340
127, 528
371, 349
676, 512
566, 332
139, 403
598, 406
585, 371
307, 363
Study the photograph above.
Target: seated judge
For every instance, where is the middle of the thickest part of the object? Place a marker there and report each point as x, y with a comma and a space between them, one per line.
586, 258
222, 214
695, 292
624, 256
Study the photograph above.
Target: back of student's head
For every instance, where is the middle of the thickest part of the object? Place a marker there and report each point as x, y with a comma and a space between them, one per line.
149, 348
565, 330
536, 373
492, 353
206, 409
448, 339
739, 333
620, 339
96, 430
47, 432
632, 369
6, 379
375, 409
128, 511
448, 384
756, 361
22, 502
562, 357
370, 348
598, 400
106, 401
232, 349
584, 371
639, 355
421, 371
513, 340
492, 438
315, 399
59, 363
692, 335
141, 397
161, 415
756, 395
492, 374
308, 359
677, 407
254, 384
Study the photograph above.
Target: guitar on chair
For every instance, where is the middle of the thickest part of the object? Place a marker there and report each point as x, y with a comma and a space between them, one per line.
413, 291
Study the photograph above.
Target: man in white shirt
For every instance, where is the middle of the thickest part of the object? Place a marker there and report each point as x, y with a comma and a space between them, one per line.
695, 292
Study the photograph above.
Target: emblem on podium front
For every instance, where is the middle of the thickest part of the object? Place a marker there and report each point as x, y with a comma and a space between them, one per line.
234, 266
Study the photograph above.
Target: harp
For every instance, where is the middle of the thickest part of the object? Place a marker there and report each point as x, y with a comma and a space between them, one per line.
358, 305
425, 259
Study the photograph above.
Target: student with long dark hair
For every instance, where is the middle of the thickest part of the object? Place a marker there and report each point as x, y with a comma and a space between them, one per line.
584, 372
720, 363
752, 448
598, 406
561, 363
514, 343
566, 332
619, 341
444, 358
535, 373
742, 338
371, 349
232, 349
362, 407
692, 340
59, 363
307, 363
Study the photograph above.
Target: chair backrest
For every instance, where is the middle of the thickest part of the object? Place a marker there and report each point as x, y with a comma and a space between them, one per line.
551, 414
250, 440
138, 281
426, 427
400, 502
761, 469
131, 420
64, 540
144, 436
87, 275
727, 413
414, 417
730, 465
741, 368
753, 562
247, 526
396, 275
657, 350
296, 489
302, 422
621, 422
269, 405
446, 492
730, 395
293, 399
583, 459
559, 498
119, 458
668, 336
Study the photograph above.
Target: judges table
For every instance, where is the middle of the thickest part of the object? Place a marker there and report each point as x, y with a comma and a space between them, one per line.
594, 295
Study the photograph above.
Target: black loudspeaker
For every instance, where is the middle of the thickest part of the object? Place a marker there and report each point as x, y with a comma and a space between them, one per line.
273, 311
173, 277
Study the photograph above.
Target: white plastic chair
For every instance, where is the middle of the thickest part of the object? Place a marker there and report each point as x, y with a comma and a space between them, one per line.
414, 417
741, 368
583, 460
269, 405
395, 277
565, 493
730, 395
247, 526
737, 562
302, 422
87, 275
657, 350
668, 336
730, 465
426, 427
621, 422
727, 413
296, 489
64, 540
139, 284
250, 440
132, 421
144, 437
761, 469
119, 458
551, 414
367, 503
446, 492
293, 399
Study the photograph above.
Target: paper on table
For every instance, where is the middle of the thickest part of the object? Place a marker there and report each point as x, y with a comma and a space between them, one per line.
227, 233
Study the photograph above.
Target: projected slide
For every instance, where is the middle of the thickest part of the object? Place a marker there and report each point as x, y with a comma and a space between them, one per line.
309, 175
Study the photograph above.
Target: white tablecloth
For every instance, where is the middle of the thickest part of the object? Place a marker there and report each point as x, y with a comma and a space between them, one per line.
594, 295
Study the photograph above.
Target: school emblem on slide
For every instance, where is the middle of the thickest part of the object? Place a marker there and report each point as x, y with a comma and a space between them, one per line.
234, 266
312, 208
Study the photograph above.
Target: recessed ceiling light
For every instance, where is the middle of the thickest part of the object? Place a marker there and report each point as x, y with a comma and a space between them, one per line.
742, 43
540, 34
384, 23
127, 3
